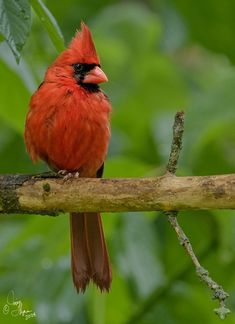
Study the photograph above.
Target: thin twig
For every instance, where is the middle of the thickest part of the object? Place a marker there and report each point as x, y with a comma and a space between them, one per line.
218, 291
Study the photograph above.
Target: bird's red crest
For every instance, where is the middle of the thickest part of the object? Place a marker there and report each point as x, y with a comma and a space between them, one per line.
80, 50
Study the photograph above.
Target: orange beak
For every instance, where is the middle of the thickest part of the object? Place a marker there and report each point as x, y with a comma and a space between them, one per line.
95, 76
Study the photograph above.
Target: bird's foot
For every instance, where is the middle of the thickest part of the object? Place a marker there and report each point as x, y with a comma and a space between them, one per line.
68, 175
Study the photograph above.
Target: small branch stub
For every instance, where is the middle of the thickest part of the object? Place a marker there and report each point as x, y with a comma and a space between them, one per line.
176, 146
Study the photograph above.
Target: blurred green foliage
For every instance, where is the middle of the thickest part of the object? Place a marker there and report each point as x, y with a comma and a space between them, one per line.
160, 56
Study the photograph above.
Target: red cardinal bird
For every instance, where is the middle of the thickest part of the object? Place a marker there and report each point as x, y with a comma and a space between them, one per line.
67, 126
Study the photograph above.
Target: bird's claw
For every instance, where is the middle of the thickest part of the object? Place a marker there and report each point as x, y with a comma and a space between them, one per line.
62, 172
68, 175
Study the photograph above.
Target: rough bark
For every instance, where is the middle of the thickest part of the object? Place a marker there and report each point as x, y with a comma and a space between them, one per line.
52, 195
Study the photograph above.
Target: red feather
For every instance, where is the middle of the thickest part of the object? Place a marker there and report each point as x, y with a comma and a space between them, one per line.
68, 127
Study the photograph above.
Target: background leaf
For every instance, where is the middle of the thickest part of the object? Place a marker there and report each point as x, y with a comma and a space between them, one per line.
17, 104
215, 27
15, 23
49, 23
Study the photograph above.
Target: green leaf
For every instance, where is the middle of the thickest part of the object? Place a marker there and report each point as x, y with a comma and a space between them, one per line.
210, 129
211, 23
14, 98
137, 255
15, 24
125, 167
117, 315
49, 23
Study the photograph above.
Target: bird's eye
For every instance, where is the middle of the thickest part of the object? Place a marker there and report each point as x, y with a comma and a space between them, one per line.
77, 67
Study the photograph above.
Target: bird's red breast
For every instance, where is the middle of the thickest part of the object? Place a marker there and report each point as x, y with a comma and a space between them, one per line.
68, 122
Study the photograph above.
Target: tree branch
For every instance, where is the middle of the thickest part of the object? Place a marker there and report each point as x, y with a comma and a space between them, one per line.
218, 292
52, 195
